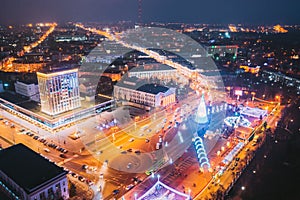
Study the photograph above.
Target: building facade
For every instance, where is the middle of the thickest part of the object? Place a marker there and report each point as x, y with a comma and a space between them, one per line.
59, 91
158, 71
146, 96
37, 179
29, 90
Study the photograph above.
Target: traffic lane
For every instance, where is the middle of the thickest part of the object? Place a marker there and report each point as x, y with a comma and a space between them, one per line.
132, 145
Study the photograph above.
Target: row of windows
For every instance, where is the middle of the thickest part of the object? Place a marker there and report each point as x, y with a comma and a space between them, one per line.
52, 192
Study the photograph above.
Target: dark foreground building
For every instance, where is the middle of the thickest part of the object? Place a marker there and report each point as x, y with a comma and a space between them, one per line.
26, 175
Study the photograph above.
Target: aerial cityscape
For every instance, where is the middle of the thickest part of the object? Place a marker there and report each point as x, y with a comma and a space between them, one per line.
149, 100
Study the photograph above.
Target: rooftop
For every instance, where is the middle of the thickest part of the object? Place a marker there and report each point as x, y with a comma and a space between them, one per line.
152, 88
151, 67
58, 67
27, 168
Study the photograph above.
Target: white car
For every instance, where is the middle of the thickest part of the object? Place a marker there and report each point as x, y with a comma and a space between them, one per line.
157, 146
47, 150
131, 139
128, 187
129, 165
160, 139
101, 176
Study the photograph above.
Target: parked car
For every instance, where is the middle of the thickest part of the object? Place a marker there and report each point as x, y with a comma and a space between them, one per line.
62, 155
36, 137
74, 175
47, 150
128, 187
137, 152
80, 178
115, 192
85, 167
129, 150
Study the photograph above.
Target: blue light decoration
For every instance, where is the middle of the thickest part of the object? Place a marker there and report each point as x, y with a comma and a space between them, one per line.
237, 121
201, 153
227, 35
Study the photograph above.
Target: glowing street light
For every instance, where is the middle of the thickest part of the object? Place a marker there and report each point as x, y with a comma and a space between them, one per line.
135, 196
228, 144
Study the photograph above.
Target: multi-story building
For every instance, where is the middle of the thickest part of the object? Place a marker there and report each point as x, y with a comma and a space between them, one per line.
59, 90
145, 95
222, 50
30, 90
157, 70
91, 86
25, 175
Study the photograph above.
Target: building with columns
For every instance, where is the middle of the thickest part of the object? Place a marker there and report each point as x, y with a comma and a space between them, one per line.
153, 70
146, 96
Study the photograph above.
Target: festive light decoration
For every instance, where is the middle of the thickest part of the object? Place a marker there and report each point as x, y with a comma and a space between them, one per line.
201, 114
201, 153
161, 184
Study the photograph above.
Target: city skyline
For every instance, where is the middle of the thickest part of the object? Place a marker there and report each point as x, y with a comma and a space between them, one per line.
149, 100
234, 11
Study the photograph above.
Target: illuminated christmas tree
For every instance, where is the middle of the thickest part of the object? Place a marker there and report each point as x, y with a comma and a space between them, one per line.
201, 115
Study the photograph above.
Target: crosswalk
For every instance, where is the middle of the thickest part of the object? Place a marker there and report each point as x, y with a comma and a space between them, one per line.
181, 169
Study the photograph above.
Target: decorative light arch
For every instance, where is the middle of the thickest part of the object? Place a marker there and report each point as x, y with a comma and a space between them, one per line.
201, 153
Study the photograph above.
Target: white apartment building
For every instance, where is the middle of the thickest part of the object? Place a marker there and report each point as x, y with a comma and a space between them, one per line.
30, 90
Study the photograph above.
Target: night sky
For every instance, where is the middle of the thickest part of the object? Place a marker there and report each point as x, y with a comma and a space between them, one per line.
187, 11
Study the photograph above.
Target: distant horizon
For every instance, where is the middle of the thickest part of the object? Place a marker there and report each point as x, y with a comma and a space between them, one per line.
146, 23
255, 12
